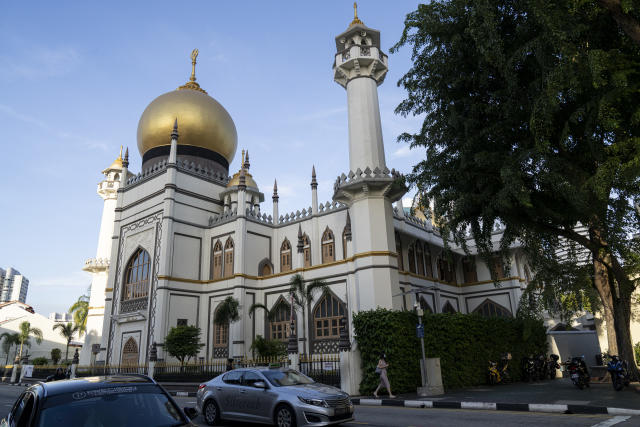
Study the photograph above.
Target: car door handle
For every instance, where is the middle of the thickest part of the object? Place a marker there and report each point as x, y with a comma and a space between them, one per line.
243, 391
219, 388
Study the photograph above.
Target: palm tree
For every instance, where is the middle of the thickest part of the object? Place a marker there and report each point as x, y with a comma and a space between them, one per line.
67, 330
227, 313
303, 295
258, 305
9, 340
80, 309
25, 332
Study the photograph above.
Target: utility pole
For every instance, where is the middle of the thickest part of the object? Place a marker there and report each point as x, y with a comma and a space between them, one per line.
420, 334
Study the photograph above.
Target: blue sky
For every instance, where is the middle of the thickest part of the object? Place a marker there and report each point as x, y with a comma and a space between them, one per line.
76, 76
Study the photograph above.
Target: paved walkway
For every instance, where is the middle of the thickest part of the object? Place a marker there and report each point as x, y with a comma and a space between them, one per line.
554, 394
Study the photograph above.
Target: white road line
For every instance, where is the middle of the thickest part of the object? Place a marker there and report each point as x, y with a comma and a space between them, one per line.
612, 421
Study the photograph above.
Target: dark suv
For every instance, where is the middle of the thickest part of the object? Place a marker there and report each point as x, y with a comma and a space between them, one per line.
109, 401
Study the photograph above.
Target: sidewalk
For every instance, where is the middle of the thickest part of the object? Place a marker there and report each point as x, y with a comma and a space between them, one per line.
558, 395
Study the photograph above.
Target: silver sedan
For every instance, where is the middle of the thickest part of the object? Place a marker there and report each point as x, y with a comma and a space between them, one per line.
280, 396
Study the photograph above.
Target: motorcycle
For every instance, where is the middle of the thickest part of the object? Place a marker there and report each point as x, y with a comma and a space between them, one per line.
552, 365
498, 372
578, 372
619, 373
529, 369
541, 367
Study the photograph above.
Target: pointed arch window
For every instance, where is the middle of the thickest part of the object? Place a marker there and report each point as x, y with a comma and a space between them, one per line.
399, 252
220, 333
469, 269
136, 279
265, 268
217, 260
306, 249
448, 308
285, 256
420, 259
489, 308
412, 258
228, 258
445, 271
424, 305
344, 243
328, 246
280, 323
497, 265
130, 353
326, 317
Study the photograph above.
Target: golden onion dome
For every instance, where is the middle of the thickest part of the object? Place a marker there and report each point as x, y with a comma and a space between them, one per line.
202, 121
248, 179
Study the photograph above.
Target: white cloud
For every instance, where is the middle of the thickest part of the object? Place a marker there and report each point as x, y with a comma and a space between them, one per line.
403, 151
22, 117
39, 62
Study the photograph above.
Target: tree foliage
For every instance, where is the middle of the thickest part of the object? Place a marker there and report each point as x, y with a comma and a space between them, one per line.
183, 342
531, 119
268, 348
9, 339
26, 331
227, 311
67, 330
56, 354
80, 310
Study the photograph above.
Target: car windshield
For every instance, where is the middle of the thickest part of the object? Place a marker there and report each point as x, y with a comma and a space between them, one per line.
288, 377
127, 405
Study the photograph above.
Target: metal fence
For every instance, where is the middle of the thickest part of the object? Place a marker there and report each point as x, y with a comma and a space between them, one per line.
323, 368
92, 371
197, 372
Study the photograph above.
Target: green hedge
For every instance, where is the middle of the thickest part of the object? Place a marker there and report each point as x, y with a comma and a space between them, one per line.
463, 342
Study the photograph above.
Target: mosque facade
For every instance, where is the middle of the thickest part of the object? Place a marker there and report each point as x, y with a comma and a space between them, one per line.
184, 233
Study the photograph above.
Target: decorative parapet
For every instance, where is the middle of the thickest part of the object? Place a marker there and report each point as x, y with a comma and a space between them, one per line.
224, 217
147, 173
94, 265
132, 305
204, 172
391, 183
323, 209
255, 215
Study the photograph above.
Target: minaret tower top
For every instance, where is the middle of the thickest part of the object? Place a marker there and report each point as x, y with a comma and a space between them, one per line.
358, 53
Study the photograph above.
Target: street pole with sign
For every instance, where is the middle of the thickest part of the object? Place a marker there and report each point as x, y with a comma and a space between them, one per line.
420, 334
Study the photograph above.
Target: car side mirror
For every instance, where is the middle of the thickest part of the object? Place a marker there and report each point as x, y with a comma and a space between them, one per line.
260, 384
191, 412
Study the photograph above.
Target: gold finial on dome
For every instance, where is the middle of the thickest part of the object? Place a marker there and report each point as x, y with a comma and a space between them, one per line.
191, 84
355, 16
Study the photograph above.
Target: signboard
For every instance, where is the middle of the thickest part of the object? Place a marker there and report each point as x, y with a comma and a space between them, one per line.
420, 331
27, 370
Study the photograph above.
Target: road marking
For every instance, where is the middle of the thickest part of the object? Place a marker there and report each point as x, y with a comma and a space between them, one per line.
612, 421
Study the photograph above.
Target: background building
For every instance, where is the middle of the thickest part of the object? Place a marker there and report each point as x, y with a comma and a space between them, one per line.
61, 317
14, 286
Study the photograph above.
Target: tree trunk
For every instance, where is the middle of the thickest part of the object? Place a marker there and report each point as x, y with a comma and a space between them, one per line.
625, 21
66, 353
622, 316
602, 285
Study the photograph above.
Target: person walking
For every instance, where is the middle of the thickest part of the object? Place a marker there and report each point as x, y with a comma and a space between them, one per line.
382, 370
229, 364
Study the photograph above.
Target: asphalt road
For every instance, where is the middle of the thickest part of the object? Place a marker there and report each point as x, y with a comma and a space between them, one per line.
409, 417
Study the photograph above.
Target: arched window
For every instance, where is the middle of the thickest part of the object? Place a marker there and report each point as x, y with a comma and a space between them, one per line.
265, 268
399, 252
498, 266
328, 246
136, 279
420, 259
326, 317
306, 249
280, 324
285, 256
427, 261
217, 260
469, 269
344, 243
220, 334
228, 258
130, 352
445, 271
489, 308
424, 305
448, 308
412, 259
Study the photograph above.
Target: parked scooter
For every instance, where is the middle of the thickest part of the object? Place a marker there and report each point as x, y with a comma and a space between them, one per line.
552, 365
578, 372
619, 373
541, 367
529, 372
498, 372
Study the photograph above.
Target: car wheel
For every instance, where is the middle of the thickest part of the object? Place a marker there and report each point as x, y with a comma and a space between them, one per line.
210, 413
285, 417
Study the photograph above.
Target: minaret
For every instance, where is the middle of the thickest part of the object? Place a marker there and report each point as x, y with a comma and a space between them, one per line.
369, 188
360, 67
99, 266
275, 199
314, 192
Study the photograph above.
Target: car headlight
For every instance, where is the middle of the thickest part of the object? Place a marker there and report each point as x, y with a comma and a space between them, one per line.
314, 402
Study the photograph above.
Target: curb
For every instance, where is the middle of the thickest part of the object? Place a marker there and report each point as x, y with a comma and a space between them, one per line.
183, 393
492, 406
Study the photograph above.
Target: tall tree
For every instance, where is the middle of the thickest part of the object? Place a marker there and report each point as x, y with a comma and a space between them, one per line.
80, 310
183, 342
9, 340
531, 119
304, 294
26, 331
67, 330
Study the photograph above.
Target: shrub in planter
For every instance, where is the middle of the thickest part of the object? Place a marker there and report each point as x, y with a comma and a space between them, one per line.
39, 361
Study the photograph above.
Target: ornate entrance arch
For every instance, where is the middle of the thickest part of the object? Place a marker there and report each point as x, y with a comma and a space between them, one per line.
130, 353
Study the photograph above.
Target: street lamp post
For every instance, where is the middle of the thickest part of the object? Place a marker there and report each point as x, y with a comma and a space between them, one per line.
420, 332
